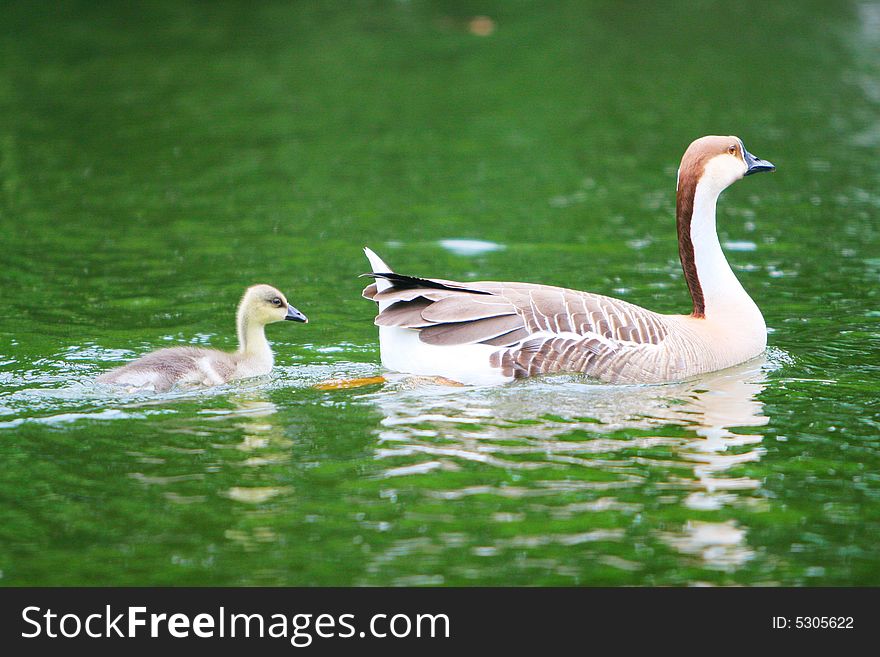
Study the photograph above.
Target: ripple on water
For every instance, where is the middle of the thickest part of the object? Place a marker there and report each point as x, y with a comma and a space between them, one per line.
62, 389
588, 449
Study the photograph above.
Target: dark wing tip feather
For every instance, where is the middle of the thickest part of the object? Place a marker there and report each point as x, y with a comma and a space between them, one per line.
403, 281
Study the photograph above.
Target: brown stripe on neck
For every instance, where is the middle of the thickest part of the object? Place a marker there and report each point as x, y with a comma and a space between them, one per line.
684, 212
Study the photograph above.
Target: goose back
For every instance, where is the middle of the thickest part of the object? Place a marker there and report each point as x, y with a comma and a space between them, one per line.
538, 329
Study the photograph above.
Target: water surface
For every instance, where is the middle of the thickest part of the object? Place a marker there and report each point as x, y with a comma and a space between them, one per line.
156, 159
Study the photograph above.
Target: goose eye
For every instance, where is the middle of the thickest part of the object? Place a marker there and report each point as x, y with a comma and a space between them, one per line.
731, 149
276, 302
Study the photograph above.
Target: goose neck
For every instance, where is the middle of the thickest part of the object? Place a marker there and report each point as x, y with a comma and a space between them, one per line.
713, 286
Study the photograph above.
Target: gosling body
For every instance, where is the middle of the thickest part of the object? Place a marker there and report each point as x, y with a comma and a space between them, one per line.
197, 366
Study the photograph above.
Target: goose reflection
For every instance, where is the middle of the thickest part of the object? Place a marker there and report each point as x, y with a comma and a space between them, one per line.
264, 441
703, 427
266, 447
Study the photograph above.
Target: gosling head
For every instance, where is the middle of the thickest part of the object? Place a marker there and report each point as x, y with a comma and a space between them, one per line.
264, 304
719, 162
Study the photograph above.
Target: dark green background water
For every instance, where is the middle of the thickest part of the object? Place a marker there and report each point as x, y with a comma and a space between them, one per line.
157, 158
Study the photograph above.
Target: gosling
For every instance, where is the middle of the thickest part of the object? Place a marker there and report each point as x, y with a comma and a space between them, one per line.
163, 369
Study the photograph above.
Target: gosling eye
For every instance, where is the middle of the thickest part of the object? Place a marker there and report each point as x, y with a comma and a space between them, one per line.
732, 149
276, 302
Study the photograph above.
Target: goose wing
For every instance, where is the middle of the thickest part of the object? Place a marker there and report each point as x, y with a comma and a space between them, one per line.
538, 328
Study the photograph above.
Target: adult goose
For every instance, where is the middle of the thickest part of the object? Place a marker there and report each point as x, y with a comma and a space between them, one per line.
161, 370
492, 332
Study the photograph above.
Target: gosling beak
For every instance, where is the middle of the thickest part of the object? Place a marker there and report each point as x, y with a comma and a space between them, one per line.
756, 164
294, 315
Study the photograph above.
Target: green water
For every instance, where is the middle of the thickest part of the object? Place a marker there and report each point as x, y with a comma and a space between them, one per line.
156, 159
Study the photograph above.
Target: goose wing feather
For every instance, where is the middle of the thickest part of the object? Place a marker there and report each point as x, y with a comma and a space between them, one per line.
504, 314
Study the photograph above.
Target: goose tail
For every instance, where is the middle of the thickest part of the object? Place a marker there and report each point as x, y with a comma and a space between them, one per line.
379, 267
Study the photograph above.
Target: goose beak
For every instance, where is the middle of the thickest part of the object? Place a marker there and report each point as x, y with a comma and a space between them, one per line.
294, 315
756, 164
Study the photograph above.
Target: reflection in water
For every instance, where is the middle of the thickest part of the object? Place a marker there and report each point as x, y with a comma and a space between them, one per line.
264, 442
680, 439
720, 545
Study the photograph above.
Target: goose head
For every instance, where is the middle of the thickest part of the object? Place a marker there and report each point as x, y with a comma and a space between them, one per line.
718, 162
264, 304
